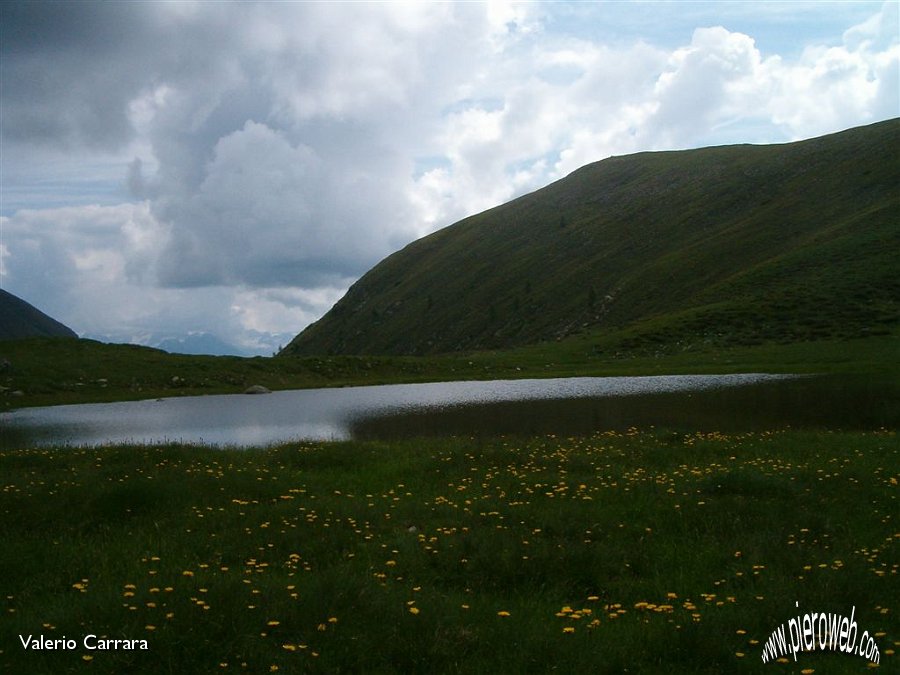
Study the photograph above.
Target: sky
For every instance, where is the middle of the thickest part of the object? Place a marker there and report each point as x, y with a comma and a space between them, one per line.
175, 168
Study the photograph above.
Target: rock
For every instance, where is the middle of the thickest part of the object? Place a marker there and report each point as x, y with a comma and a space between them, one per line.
257, 389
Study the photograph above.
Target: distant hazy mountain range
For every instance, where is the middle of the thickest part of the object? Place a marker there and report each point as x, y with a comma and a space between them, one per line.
733, 245
196, 343
207, 343
199, 342
19, 319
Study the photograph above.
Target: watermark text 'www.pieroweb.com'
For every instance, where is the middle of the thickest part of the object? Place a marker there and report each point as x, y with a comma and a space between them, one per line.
820, 631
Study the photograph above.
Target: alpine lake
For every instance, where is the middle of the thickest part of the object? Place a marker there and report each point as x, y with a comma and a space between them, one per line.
563, 406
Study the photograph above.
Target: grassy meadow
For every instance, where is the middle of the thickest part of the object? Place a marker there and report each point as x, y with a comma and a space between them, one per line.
646, 551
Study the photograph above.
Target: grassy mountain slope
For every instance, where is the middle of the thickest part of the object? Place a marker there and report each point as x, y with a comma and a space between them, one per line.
733, 245
18, 319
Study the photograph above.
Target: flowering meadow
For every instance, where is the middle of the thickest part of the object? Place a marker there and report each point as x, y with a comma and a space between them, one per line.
642, 551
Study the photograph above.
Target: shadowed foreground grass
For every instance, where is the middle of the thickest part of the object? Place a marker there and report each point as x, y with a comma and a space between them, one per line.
645, 551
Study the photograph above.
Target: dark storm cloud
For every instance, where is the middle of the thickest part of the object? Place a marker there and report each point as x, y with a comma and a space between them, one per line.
68, 70
71, 70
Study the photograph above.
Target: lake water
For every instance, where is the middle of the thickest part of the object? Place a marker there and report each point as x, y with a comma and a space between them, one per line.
564, 406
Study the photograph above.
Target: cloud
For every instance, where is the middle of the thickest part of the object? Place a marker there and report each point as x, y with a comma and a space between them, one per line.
281, 310
285, 163
268, 154
68, 70
104, 261
273, 212
702, 82
86, 265
833, 87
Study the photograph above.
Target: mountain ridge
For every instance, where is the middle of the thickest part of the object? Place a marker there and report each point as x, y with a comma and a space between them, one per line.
744, 243
20, 319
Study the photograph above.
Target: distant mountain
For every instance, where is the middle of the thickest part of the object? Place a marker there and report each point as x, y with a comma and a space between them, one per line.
186, 343
264, 344
726, 245
19, 319
198, 343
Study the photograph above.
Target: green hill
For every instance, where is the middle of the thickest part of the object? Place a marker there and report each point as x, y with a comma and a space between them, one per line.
724, 245
18, 319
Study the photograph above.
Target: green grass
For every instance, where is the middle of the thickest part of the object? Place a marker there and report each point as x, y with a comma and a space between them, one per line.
664, 552
60, 371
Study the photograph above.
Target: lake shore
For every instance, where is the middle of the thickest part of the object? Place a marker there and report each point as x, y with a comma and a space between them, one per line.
59, 372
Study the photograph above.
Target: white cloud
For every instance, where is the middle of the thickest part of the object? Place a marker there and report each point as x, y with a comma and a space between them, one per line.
280, 310
702, 84
830, 88
86, 266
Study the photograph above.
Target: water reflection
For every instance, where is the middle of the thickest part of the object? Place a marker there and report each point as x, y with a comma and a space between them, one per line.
564, 406
806, 402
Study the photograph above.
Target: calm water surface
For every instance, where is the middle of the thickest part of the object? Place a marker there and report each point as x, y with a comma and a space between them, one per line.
567, 405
